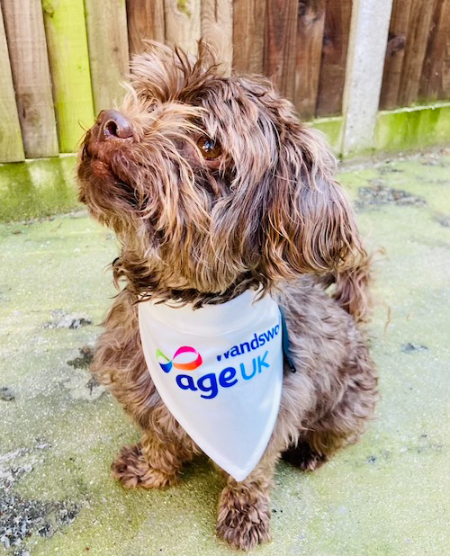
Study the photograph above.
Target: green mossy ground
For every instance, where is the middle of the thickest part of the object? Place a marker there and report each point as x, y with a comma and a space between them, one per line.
387, 495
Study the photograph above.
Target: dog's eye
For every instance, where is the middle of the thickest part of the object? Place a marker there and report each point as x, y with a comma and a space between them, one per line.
209, 148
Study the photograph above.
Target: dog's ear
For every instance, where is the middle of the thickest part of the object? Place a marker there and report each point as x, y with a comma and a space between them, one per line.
308, 225
308, 222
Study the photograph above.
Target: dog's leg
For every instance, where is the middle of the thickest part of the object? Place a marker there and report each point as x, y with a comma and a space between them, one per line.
244, 507
345, 422
304, 456
314, 449
151, 463
119, 364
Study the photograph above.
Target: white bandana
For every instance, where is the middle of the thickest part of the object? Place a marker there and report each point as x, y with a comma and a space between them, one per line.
219, 370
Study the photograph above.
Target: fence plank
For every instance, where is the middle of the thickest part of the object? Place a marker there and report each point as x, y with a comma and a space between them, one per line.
145, 21
366, 54
182, 25
108, 50
435, 79
310, 26
249, 25
65, 28
217, 29
280, 46
11, 148
395, 53
29, 64
416, 44
334, 57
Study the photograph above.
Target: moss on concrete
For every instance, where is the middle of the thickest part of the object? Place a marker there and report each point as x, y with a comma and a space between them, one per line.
332, 129
37, 188
405, 129
387, 495
417, 127
425, 175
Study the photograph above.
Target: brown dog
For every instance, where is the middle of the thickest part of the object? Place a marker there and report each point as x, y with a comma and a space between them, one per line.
213, 187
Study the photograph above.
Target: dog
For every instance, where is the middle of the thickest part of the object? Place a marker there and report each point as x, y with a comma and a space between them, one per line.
213, 189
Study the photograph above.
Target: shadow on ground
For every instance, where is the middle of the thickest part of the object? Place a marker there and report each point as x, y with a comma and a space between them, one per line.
388, 495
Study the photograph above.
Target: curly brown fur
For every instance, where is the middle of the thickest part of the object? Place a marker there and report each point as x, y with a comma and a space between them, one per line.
265, 212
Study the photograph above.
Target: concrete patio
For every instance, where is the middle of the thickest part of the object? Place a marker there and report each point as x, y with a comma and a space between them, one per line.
387, 495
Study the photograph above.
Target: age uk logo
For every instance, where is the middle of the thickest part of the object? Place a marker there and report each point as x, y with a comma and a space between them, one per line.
166, 364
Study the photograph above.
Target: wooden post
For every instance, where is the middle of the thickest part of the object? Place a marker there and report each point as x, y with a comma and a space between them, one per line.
29, 63
145, 21
11, 149
108, 50
249, 26
435, 78
367, 47
217, 30
420, 19
65, 28
310, 26
395, 53
280, 47
183, 24
334, 57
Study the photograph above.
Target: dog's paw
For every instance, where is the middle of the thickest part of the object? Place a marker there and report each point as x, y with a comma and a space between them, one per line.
132, 470
304, 457
244, 518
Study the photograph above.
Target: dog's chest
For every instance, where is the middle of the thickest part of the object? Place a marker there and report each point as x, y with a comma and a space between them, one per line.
219, 371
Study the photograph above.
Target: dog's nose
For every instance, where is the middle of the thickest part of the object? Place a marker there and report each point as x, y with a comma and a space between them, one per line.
113, 124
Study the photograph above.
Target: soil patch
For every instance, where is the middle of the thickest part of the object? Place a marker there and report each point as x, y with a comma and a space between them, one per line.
378, 194
411, 348
6, 394
84, 360
61, 319
443, 219
20, 517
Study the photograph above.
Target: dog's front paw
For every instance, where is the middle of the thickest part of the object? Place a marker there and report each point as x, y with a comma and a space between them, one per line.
244, 518
132, 470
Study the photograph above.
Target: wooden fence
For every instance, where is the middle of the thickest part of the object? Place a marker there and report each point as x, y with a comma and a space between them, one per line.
62, 60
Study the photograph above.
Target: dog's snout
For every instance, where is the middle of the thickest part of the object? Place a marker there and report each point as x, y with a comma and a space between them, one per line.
114, 124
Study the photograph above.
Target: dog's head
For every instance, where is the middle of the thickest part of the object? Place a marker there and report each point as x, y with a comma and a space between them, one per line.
211, 183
